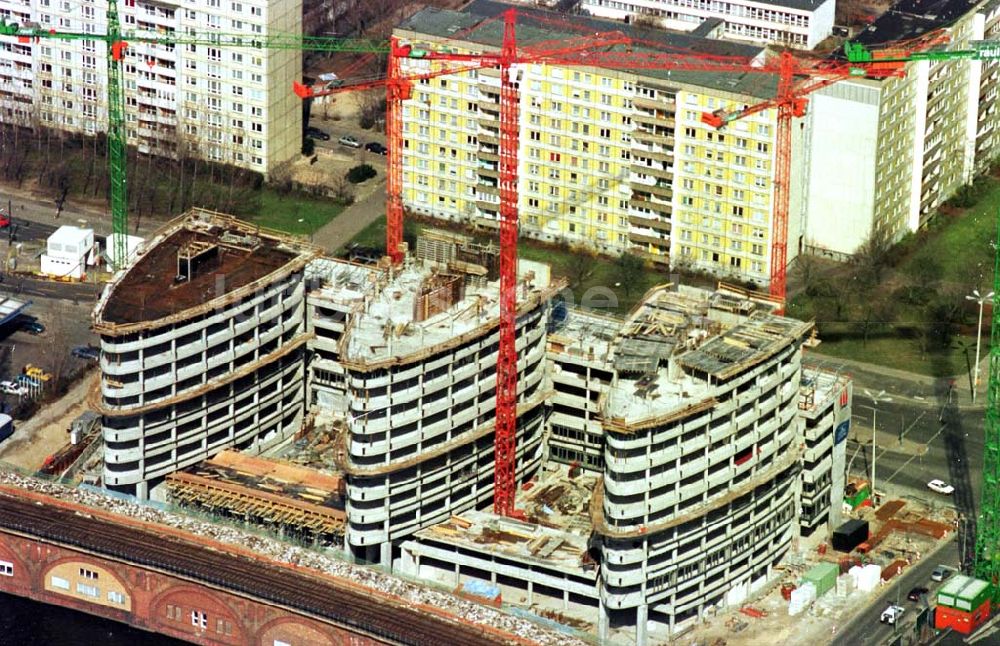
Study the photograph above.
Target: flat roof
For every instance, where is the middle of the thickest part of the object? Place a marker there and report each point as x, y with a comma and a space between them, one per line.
237, 254
10, 308
462, 25
555, 532
912, 18
391, 329
583, 334
679, 341
270, 489
818, 387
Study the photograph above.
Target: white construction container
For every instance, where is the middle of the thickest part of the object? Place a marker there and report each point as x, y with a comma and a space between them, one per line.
802, 598
67, 251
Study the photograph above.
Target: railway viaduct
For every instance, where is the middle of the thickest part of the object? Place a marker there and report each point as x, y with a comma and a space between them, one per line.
164, 581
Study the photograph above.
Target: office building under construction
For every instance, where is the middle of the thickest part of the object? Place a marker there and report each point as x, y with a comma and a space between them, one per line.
663, 458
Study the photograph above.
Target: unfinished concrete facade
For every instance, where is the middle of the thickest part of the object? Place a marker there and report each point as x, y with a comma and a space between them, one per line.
825, 406
699, 498
202, 343
694, 405
408, 356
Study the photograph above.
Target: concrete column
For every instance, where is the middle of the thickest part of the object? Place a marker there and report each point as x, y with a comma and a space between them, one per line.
385, 555
641, 619
603, 621
531, 592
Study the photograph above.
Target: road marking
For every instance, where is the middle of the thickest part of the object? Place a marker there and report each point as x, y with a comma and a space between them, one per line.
896, 472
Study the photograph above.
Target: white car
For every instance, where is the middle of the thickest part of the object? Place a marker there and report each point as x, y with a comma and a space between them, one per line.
940, 486
349, 141
13, 388
891, 614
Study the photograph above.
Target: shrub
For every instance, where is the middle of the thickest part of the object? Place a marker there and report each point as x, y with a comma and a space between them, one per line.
360, 173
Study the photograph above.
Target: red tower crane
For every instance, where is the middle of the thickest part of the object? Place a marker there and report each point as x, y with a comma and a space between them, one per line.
398, 89
796, 79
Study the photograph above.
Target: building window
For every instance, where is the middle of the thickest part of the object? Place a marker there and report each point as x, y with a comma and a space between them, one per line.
60, 583
6, 568
88, 574
88, 590
199, 619
116, 597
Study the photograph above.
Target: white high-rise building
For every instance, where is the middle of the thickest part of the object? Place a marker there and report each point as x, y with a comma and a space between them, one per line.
224, 104
797, 23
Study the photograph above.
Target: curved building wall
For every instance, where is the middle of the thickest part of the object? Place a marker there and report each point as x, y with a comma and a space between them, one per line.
699, 506
421, 437
175, 394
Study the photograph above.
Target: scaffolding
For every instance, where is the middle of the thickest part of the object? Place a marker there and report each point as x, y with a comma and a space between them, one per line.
291, 500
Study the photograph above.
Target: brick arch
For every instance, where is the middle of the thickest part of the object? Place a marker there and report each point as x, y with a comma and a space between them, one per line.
298, 632
187, 597
83, 559
22, 571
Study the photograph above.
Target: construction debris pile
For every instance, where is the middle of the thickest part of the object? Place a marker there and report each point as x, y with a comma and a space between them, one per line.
322, 449
301, 557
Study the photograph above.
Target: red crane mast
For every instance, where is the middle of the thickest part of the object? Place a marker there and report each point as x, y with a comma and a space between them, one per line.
796, 79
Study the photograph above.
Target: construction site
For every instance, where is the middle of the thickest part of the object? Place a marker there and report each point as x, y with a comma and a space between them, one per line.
666, 463
440, 415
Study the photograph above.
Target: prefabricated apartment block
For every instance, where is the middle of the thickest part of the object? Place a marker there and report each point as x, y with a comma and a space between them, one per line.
614, 160
225, 104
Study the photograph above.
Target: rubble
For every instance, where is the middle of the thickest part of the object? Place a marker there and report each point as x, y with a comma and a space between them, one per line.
298, 556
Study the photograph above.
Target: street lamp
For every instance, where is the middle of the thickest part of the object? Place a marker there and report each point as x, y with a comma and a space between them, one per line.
979, 336
876, 399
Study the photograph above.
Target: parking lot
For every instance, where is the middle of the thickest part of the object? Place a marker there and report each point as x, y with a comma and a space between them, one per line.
66, 318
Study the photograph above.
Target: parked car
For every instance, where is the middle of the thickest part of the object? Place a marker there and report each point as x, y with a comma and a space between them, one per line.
891, 614
915, 593
86, 352
376, 147
350, 141
32, 327
940, 573
316, 133
940, 486
13, 388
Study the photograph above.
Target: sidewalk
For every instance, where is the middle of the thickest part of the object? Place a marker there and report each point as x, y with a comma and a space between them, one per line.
352, 220
36, 207
933, 390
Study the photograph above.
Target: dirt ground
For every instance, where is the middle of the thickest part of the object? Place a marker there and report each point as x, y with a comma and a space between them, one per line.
67, 325
46, 432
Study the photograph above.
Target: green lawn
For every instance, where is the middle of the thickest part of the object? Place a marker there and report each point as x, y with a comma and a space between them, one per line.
961, 244
373, 235
896, 351
295, 213
957, 245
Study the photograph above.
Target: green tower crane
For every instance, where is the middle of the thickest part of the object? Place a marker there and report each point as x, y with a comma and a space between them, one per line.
117, 42
987, 550
987, 564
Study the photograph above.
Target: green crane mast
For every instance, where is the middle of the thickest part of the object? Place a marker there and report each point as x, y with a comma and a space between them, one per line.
118, 41
987, 551
987, 565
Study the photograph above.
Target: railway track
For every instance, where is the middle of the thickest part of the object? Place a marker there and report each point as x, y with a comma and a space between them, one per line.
320, 598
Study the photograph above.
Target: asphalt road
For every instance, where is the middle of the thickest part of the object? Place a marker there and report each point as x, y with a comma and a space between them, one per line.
866, 628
